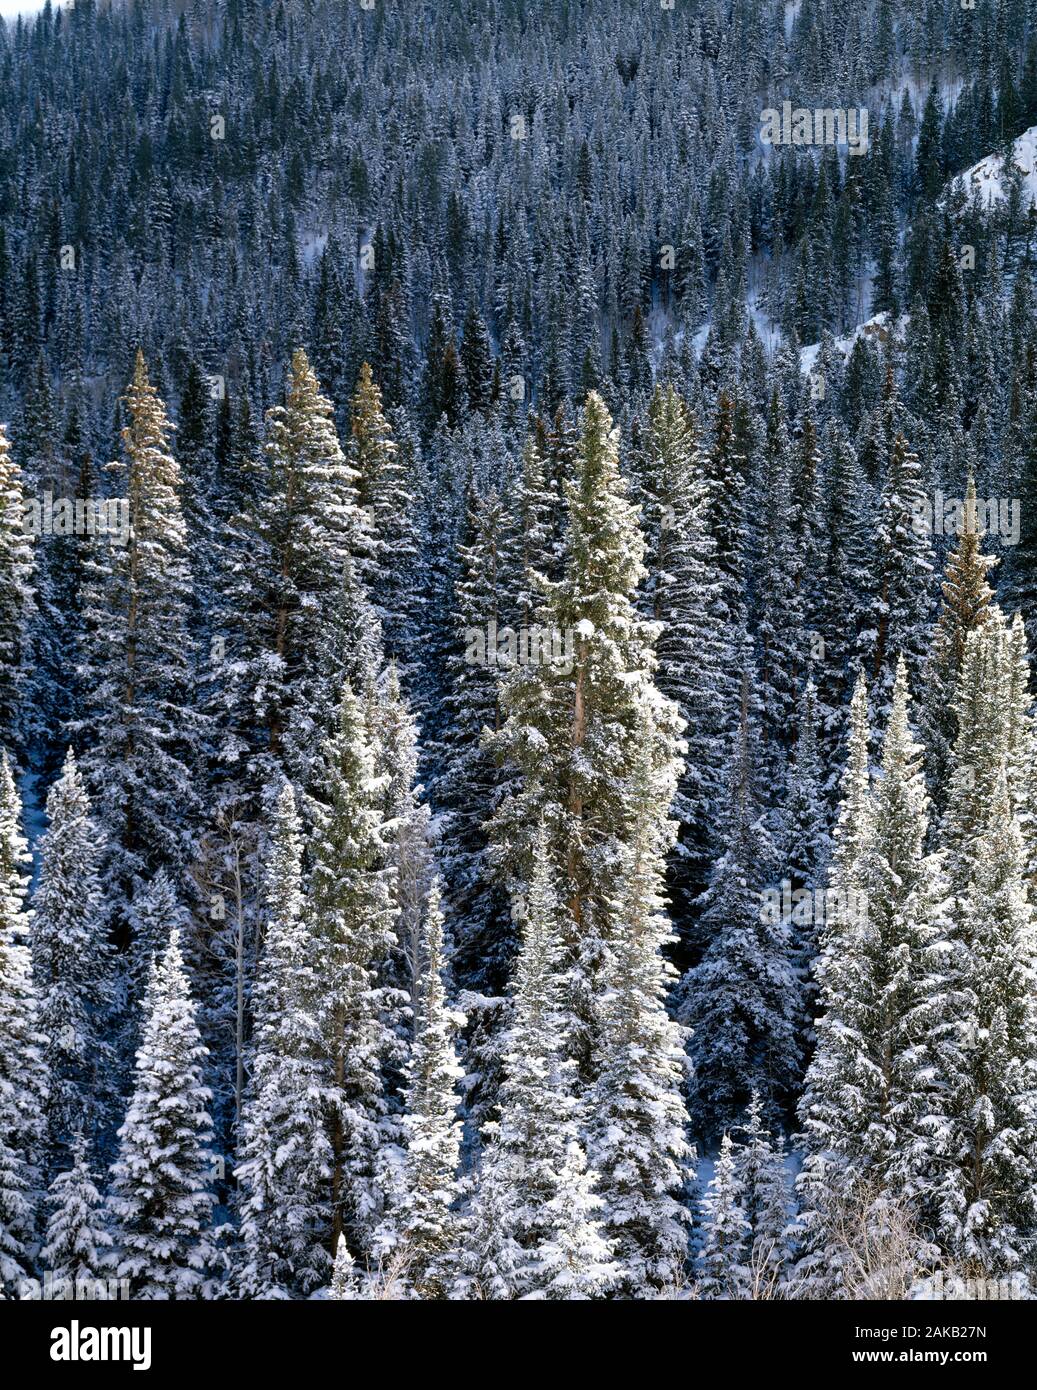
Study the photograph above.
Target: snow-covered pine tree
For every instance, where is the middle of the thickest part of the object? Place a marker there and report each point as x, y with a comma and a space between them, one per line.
991, 707
77, 1242
904, 569
471, 781
311, 524
353, 920
841, 1091
806, 849
17, 601
534, 1227
966, 606
139, 731
845, 588
983, 1141
160, 1196
407, 823
72, 964
982, 1037
152, 914
781, 627
637, 1119
867, 1099
576, 730
742, 1001
724, 1256
23, 1069
425, 1222
806, 842
344, 1278
766, 1200
682, 594
285, 1152
389, 565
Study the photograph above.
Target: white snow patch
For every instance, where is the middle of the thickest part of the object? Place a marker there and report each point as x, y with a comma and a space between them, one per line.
876, 327
986, 178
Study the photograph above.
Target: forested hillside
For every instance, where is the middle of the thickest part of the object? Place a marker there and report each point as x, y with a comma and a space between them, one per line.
518, 567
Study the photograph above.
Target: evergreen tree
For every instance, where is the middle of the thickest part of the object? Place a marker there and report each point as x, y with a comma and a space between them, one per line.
983, 1147
966, 599
385, 493
683, 595
138, 725
353, 920
535, 1212
72, 962
579, 732
77, 1242
741, 1002
767, 1200
983, 1040
904, 570
17, 600
638, 1123
426, 1223
160, 1196
868, 1103
285, 1167
472, 781
344, 1279
310, 526
724, 1257
23, 1071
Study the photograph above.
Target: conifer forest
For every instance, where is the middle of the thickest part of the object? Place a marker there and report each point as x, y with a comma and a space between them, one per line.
518, 589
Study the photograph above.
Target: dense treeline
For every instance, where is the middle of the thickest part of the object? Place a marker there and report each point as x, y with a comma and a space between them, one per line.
540, 724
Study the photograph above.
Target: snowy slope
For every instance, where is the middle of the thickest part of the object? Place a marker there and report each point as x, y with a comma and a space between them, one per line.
876, 327
984, 177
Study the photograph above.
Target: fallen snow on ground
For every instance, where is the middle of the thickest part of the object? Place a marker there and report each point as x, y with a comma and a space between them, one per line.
985, 178
877, 328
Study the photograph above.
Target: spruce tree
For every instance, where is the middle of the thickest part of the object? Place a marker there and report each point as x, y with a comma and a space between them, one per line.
682, 594
535, 1208
138, 726
344, 1278
638, 1120
353, 920
391, 541
23, 1070
724, 1257
425, 1221
72, 962
17, 600
160, 1197
867, 1102
77, 1242
741, 1002
472, 781
966, 600
310, 526
285, 1152
767, 1200
903, 570
578, 732
984, 1141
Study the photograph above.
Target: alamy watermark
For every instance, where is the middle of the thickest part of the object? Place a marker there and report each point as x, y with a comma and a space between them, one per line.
956, 1287
804, 906
522, 646
955, 516
56, 1288
77, 516
826, 125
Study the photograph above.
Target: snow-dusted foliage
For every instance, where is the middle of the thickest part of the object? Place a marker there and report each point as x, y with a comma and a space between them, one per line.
518, 566
161, 1197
